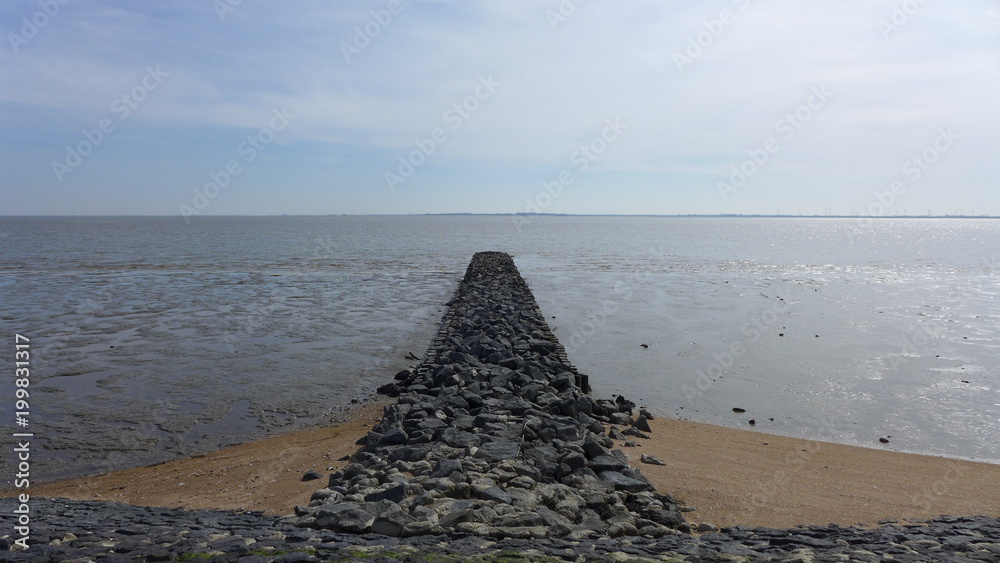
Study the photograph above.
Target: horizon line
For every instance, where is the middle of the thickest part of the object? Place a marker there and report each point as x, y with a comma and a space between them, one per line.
521, 214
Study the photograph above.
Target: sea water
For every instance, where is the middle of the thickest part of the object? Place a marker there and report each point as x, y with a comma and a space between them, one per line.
153, 338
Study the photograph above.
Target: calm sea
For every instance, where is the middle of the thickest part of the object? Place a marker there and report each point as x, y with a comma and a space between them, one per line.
153, 339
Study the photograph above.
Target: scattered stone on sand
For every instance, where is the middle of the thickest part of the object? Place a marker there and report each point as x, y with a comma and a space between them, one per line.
651, 460
312, 475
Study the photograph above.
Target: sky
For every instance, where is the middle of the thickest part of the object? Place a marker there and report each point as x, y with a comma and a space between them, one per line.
220, 107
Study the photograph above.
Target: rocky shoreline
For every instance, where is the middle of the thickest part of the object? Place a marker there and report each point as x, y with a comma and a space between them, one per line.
494, 434
70, 530
493, 451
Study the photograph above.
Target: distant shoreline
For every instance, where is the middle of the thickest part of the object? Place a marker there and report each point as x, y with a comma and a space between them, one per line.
667, 216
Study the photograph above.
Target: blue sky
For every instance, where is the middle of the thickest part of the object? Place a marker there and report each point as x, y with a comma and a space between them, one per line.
562, 106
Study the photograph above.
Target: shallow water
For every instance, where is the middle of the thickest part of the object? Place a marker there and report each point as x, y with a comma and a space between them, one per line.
152, 338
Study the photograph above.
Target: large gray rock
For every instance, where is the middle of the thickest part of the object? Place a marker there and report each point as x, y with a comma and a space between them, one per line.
392, 523
395, 494
445, 467
344, 517
622, 482
459, 438
497, 450
495, 494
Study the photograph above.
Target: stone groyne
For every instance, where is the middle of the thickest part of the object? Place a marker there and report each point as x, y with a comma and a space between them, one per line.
493, 434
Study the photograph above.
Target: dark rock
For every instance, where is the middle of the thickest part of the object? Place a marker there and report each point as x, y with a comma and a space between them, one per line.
592, 448
311, 475
624, 405
574, 460
344, 518
394, 494
394, 436
542, 346
620, 418
634, 432
641, 424
495, 494
391, 523
389, 389
459, 438
409, 453
497, 449
606, 463
622, 482
445, 467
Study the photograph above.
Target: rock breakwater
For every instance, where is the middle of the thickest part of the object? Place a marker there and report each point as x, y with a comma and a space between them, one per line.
493, 434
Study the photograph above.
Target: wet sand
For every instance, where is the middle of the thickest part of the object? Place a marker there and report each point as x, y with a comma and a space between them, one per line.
731, 477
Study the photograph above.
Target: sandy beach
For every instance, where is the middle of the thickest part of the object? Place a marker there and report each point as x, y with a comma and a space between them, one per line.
729, 476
